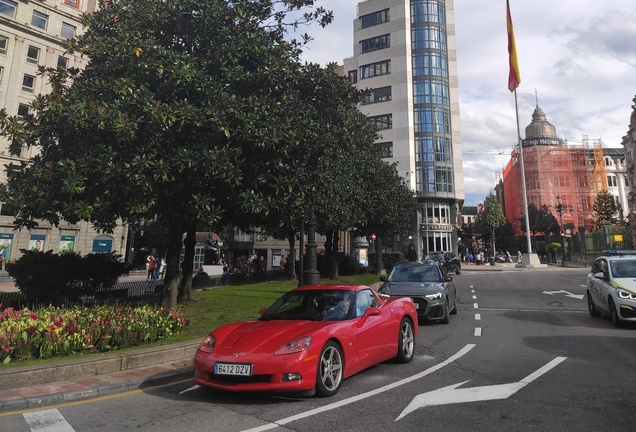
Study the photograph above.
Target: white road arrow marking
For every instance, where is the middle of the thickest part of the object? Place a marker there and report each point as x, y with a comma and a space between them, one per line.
451, 394
567, 294
190, 389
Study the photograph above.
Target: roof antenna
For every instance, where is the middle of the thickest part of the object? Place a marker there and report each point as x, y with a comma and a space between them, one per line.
536, 95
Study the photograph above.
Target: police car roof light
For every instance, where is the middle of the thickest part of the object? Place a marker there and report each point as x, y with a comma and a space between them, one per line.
614, 252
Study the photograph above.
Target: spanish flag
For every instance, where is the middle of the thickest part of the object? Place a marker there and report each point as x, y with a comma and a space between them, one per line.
514, 78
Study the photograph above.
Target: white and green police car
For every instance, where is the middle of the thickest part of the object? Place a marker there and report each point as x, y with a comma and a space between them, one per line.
611, 286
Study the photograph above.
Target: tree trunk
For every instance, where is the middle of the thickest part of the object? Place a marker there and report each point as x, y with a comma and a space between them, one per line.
188, 264
334, 254
173, 274
292, 255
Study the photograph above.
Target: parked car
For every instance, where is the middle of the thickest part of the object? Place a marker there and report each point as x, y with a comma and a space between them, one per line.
308, 341
447, 260
433, 293
611, 286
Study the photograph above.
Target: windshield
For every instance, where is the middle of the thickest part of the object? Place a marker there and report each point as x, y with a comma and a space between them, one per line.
316, 305
623, 269
435, 255
418, 273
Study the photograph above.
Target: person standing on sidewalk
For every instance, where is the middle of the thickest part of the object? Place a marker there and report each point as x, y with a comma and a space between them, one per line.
519, 257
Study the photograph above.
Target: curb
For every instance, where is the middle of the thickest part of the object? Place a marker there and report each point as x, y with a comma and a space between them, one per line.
49, 373
77, 395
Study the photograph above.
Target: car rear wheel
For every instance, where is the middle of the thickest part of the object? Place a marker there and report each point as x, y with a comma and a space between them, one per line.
458, 270
590, 306
406, 342
329, 376
614, 314
444, 319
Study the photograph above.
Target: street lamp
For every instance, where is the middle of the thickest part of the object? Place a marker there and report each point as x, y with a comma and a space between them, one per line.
560, 208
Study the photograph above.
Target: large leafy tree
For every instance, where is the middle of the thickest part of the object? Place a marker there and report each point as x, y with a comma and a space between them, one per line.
605, 209
490, 219
182, 104
541, 220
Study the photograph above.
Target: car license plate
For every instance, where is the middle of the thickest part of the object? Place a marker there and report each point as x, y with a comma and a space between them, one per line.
233, 369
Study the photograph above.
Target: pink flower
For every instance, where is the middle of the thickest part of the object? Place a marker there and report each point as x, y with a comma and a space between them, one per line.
52, 327
34, 316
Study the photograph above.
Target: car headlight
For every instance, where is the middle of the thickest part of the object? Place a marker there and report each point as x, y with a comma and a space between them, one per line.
208, 344
435, 296
294, 346
625, 294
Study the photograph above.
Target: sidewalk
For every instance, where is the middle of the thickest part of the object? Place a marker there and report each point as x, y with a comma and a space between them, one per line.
71, 380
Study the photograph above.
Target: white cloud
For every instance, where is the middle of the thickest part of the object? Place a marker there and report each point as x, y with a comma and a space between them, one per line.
580, 56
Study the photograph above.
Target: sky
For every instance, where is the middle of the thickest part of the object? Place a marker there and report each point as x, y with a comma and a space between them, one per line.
578, 55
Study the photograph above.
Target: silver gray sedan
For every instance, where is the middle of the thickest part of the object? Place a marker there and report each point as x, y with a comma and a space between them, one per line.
434, 294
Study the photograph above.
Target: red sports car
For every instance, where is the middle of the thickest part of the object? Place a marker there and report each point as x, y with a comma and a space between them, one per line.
308, 341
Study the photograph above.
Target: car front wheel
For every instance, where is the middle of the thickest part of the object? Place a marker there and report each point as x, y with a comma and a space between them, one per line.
406, 342
590, 306
444, 319
614, 314
329, 377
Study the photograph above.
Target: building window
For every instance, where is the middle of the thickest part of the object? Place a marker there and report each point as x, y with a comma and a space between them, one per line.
38, 19
6, 209
28, 82
428, 37
7, 7
4, 41
376, 43
375, 69
434, 64
423, 11
382, 122
431, 91
67, 31
33, 54
62, 62
73, 3
611, 181
374, 18
626, 181
353, 76
386, 149
381, 94
432, 120
23, 110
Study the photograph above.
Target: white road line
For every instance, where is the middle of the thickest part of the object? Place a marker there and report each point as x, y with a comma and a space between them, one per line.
472, 291
190, 389
471, 286
474, 297
477, 331
584, 286
477, 316
475, 305
47, 421
362, 396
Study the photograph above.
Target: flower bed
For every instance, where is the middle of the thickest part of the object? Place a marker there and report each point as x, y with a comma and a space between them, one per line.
51, 332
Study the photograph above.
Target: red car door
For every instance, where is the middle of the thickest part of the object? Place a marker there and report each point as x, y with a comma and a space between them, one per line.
375, 325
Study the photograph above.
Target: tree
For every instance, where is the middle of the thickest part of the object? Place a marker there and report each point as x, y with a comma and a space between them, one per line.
177, 101
605, 209
491, 218
540, 220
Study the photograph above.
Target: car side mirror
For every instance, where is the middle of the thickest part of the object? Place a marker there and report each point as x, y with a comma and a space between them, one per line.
448, 279
372, 311
600, 275
382, 279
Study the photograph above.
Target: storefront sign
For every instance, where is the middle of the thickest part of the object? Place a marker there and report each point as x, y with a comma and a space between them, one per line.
36, 242
435, 227
66, 243
5, 246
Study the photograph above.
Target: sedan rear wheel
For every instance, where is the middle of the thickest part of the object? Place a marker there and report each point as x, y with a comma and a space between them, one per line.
458, 270
614, 314
329, 377
590, 306
406, 342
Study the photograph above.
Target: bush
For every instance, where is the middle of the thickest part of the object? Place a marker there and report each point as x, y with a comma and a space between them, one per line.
348, 266
52, 278
50, 332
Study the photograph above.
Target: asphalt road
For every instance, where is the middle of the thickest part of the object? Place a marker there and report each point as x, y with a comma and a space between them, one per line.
522, 354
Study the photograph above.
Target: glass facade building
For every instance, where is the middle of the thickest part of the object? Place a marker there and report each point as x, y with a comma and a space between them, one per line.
414, 42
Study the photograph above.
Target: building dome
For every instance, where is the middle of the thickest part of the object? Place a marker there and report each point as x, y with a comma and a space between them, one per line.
540, 131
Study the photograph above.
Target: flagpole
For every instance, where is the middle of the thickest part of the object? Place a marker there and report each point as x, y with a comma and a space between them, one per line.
523, 179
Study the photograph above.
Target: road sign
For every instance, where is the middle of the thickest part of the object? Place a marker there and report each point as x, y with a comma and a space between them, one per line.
373, 237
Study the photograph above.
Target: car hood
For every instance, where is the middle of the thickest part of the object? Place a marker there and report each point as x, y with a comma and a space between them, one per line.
411, 288
628, 284
265, 336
